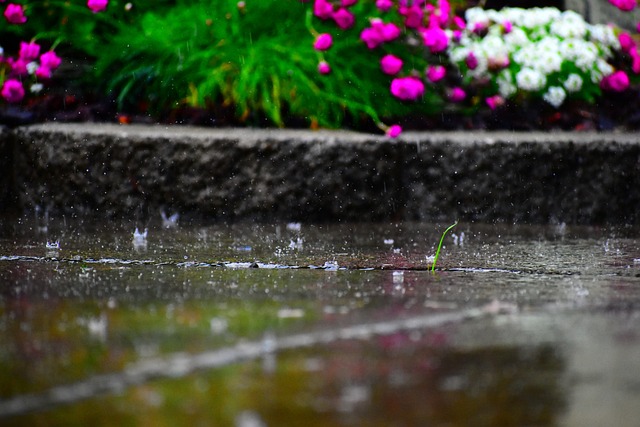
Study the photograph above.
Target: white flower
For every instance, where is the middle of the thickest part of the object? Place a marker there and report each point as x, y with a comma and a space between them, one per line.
573, 83
32, 67
581, 52
516, 38
570, 24
539, 17
476, 15
555, 96
542, 46
527, 56
506, 88
604, 67
530, 79
1, 51
601, 69
458, 54
549, 62
604, 35
36, 87
515, 15
494, 47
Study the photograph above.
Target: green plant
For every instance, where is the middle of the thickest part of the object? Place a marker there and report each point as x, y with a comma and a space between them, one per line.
254, 56
437, 255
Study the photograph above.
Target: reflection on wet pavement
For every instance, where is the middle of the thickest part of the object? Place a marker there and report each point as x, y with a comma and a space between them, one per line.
325, 324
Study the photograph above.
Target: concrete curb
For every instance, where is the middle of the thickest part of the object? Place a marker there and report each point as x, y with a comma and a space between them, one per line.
295, 175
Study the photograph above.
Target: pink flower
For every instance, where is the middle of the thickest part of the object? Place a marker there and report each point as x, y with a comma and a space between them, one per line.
507, 27
384, 5
50, 60
322, 9
388, 31
471, 61
43, 72
625, 5
323, 42
407, 88
18, 66
626, 42
324, 67
347, 3
436, 73
443, 12
435, 38
344, 19
457, 94
616, 82
379, 32
14, 14
371, 38
635, 58
29, 51
12, 91
391, 64
480, 27
394, 131
459, 22
97, 5
494, 101
413, 15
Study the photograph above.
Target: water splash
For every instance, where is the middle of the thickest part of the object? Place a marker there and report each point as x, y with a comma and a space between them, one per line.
53, 245
169, 221
140, 239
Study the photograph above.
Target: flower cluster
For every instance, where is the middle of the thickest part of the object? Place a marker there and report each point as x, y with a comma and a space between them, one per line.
414, 22
537, 52
513, 53
30, 65
30, 68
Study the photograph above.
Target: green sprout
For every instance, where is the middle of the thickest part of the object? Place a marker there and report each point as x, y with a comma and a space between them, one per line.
435, 258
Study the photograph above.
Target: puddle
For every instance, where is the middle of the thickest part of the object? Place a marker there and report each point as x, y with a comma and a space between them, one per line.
326, 324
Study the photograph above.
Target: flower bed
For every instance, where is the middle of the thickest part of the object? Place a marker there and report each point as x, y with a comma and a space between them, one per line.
340, 63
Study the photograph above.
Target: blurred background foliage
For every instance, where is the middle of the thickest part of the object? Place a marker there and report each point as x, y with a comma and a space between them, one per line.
250, 62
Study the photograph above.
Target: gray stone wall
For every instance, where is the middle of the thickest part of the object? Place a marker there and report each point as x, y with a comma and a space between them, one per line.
602, 12
228, 174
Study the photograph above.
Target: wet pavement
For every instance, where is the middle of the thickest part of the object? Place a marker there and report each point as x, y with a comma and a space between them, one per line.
319, 324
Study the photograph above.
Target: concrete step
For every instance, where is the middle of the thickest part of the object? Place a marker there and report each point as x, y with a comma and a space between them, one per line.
134, 171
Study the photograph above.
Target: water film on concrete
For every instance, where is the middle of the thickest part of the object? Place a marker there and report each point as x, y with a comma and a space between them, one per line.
288, 324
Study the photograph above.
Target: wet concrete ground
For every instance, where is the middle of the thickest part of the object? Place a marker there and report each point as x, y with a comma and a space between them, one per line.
339, 324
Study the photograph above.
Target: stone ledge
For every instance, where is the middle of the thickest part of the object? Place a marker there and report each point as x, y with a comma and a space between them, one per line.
297, 175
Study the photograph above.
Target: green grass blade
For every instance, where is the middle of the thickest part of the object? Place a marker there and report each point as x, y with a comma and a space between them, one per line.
437, 255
